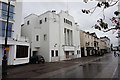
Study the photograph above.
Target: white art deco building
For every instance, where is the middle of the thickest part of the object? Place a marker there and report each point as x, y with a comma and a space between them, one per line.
54, 36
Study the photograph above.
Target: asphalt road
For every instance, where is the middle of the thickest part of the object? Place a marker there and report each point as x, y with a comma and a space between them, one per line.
103, 68
0, 72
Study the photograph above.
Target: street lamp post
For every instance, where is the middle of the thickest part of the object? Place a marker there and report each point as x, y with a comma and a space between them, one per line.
4, 61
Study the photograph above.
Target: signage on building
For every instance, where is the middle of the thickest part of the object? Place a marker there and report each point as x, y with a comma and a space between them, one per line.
6, 48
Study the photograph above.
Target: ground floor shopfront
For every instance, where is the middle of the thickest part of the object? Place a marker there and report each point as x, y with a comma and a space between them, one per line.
91, 51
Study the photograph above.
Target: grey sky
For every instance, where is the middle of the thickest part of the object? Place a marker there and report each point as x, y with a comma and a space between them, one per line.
74, 8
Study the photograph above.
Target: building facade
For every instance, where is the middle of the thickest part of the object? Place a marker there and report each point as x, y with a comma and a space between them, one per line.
54, 36
107, 43
91, 45
87, 43
18, 46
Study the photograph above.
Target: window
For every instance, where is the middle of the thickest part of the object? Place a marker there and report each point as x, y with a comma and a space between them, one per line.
72, 53
3, 29
52, 53
65, 35
22, 52
56, 52
45, 37
4, 11
11, 14
64, 20
78, 51
71, 23
45, 19
67, 21
40, 21
9, 29
37, 37
64, 30
28, 22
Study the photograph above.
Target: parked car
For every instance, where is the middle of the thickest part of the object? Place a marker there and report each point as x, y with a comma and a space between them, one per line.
37, 59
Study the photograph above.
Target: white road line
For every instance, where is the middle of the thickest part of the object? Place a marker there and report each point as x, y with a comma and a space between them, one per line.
114, 72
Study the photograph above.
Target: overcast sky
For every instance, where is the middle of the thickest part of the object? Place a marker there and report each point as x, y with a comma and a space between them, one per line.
74, 8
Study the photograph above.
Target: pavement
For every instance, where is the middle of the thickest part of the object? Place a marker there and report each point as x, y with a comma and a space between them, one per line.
35, 70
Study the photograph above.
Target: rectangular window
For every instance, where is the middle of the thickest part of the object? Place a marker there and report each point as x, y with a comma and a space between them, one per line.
45, 19
40, 21
64, 20
4, 11
56, 52
52, 53
28, 22
78, 51
11, 14
70, 23
65, 35
3, 29
37, 37
9, 29
72, 53
45, 37
22, 51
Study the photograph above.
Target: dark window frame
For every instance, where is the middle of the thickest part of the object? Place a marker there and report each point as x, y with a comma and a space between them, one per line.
56, 53
37, 37
52, 53
45, 19
3, 29
41, 21
64, 20
21, 51
28, 22
4, 8
45, 37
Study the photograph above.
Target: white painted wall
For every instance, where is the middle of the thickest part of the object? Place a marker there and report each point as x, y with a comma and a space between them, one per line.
44, 44
31, 30
54, 29
18, 19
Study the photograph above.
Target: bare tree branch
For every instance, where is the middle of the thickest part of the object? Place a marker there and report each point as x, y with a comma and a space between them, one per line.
111, 29
114, 3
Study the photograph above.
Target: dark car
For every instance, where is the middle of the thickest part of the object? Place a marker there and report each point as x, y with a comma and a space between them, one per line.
37, 59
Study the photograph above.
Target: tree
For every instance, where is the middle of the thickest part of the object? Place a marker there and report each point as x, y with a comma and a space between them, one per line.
101, 25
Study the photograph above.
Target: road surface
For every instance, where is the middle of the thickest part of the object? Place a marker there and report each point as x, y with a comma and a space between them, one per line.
103, 68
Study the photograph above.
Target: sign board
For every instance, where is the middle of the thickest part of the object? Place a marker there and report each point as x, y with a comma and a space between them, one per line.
6, 49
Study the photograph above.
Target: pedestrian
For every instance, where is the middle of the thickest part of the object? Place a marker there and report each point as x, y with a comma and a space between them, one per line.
115, 53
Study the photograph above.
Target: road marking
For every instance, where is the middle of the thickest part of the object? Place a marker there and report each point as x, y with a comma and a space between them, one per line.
114, 72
